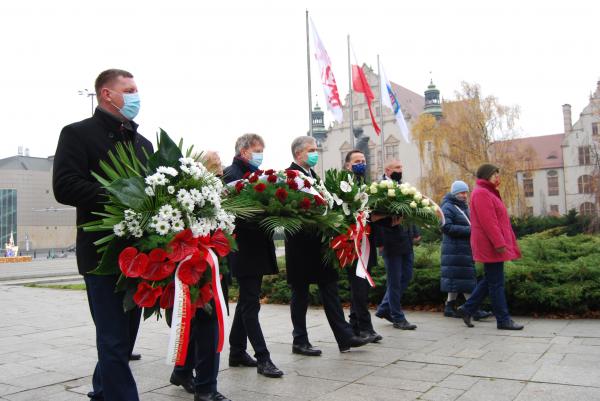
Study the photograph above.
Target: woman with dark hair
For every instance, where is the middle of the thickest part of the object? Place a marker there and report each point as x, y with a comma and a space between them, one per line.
493, 242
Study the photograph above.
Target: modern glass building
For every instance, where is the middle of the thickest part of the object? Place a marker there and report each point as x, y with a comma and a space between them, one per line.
8, 215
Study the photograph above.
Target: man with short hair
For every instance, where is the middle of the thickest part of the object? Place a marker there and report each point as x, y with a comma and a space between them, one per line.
81, 147
254, 259
398, 257
305, 266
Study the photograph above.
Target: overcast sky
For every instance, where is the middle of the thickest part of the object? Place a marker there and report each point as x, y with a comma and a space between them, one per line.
210, 71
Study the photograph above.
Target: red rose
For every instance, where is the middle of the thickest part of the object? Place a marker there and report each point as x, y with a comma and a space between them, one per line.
320, 201
292, 184
132, 263
239, 186
307, 184
246, 175
291, 174
191, 270
159, 267
281, 194
258, 172
272, 179
146, 296
182, 245
204, 295
270, 172
253, 178
168, 296
260, 187
305, 204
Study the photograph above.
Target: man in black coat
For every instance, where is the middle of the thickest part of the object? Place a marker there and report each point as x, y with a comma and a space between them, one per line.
80, 149
305, 266
254, 259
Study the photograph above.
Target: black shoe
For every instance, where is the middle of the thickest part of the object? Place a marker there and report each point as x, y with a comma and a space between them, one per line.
205, 397
449, 309
404, 325
466, 317
481, 314
372, 336
306, 349
220, 397
384, 315
268, 369
242, 360
510, 325
356, 341
135, 357
186, 382
94, 396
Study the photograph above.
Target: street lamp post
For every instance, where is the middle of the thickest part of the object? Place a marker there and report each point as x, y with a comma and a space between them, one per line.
89, 94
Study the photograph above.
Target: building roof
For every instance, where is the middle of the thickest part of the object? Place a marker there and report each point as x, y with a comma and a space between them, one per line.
27, 163
546, 148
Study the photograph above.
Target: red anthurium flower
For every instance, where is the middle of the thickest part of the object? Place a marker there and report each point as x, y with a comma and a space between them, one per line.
182, 245
272, 178
246, 175
307, 184
204, 295
305, 204
270, 172
168, 296
159, 267
320, 201
292, 184
220, 243
281, 194
253, 178
132, 263
260, 187
146, 296
239, 186
291, 173
191, 270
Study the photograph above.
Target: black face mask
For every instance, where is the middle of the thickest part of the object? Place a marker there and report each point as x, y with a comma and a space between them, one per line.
396, 176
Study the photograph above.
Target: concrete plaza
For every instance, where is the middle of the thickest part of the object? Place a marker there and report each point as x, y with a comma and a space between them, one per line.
47, 353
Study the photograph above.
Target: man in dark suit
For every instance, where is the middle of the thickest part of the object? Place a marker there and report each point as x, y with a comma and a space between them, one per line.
305, 266
254, 259
80, 149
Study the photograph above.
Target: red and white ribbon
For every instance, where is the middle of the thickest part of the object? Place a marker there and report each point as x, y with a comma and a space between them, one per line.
363, 250
179, 336
220, 304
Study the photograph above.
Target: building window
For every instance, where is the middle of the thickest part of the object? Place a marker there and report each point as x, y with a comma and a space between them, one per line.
391, 152
584, 184
554, 210
595, 129
552, 183
367, 115
587, 209
8, 216
528, 185
584, 156
356, 114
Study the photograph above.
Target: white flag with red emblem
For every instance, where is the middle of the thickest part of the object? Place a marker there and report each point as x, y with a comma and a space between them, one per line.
332, 96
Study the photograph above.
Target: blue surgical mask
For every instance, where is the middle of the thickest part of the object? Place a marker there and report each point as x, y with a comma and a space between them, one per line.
359, 169
256, 159
313, 159
131, 105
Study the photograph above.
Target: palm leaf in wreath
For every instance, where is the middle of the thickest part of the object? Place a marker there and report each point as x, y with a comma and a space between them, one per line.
290, 225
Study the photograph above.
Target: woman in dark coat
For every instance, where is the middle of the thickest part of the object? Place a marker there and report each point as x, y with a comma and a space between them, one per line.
458, 270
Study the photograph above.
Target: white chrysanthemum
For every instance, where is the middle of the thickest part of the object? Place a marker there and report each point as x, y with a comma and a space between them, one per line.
188, 204
160, 179
175, 214
165, 212
171, 189
130, 214
133, 225
182, 194
162, 227
149, 191
346, 209
425, 202
119, 229
413, 204
405, 191
418, 196
345, 187
138, 233
177, 225
167, 170
391, 193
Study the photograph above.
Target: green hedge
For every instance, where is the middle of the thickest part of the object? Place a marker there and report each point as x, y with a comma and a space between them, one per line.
557, 274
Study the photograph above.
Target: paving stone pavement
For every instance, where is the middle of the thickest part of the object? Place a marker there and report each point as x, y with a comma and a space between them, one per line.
47, 353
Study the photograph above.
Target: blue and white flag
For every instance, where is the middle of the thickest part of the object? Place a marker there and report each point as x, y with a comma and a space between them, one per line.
390, 100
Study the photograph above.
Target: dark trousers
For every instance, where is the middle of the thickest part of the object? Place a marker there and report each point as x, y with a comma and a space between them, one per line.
115, 335
399, 273
360, 317
246, 325
492, 285
342, 330
202, 356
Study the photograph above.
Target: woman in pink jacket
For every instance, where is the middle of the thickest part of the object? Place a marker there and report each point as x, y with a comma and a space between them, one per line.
493, 242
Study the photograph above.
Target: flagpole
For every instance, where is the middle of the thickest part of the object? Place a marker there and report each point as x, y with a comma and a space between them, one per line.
381, 118
350, 90
310, 125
